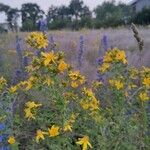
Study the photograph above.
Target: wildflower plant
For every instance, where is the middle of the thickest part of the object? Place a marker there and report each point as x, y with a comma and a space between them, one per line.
63, 111
7, 99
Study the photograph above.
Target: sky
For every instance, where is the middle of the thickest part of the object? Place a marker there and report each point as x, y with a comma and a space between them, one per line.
44, 4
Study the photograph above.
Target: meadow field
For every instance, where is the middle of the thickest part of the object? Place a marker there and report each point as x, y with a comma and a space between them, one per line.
75, 90
69, 42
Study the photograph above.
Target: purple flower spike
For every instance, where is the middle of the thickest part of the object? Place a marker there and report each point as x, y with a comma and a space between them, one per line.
80, 52
105, 42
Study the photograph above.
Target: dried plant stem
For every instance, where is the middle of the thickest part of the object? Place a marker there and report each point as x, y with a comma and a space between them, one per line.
140, 42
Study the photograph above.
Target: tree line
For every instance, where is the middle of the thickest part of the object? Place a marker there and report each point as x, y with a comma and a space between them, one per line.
75, 16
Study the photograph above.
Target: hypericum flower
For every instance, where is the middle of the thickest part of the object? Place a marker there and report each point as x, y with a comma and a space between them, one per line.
74, 75
62, 66
121, 56
143, 96
11, 140
74, 84
40, 135
146, 82
94, 104
2, 81
108, 58
119, 85
116, 83
31, 104
37, 40
13, 89
88, 92
104, 67
67, 127
82, 79
84, 142
29, 114
49, 58
53, 131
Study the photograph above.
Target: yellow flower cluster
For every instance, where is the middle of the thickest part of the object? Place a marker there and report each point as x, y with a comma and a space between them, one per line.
28, 84
116, 83
52, 132
29, 109
76, 79
51, 58
115, 55
37, 40
112, 56
90, 102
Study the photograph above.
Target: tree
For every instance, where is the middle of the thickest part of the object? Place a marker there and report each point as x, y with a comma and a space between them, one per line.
52, 13
4, 8
12, 17
30, 13
63, 12
109, 14
142, 17
76, 7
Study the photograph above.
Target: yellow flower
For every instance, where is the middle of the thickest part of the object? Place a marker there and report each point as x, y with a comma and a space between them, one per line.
88, 92
62, 66
74, 75
116, 83
49, 58
82, 79
121, 56
119, 85
104, 67
84, 142
53, 131
67, 127
28, 110
11, 140
94, 104
84, 105
74, 84
143, 96
3, 81
146, 82
37, 40
29, 83
13, 89
108, 57
40, 135
28, 114
32, 104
